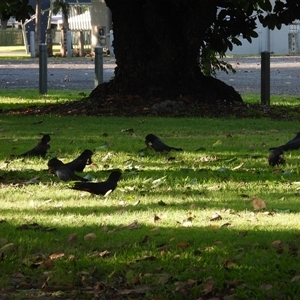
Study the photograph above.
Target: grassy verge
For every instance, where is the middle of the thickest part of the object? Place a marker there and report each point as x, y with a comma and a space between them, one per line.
179, 226
17, 98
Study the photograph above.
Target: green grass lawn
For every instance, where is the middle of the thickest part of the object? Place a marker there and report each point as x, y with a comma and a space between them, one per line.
179, 226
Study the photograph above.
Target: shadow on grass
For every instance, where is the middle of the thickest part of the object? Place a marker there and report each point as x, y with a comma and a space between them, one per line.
174, 262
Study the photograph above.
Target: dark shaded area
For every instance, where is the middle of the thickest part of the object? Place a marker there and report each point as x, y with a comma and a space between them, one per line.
131, 105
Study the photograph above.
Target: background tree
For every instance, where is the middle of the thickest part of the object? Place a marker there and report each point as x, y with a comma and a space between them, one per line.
64, 7
37, 28
49, 39
19, 9
160, 45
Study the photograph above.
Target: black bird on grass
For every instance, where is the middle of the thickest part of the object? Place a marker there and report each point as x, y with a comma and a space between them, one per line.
293, 144
79, 163
40, 149
56, 166
276, 157
99, 188
157, 144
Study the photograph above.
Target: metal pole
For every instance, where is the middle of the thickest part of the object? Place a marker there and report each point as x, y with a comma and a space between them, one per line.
265, 77
69, 42
43, 68
111, 40
98, 65
32, 47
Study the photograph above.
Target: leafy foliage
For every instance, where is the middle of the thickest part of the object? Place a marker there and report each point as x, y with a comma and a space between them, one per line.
237, 19
16, 8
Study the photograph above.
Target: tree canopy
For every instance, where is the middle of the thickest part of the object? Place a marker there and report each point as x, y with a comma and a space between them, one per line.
20, 9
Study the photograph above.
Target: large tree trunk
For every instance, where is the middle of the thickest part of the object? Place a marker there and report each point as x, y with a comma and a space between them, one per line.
157, 45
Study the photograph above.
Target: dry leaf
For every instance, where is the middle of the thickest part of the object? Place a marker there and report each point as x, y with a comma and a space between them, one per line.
186, 224
296, 278
156, 218
215, 217
136, 279
56, 256
183, 245
225, 224
208, 286
90, 236
133, 225
72, 238
266, 287
258, 203
239, 166
276, 243
7, 248
104, 253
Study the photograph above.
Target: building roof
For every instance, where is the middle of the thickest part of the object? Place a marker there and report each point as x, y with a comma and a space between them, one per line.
46, 3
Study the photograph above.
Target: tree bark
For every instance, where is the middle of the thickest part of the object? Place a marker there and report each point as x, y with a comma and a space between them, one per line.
4, 24
37, 27
157, 45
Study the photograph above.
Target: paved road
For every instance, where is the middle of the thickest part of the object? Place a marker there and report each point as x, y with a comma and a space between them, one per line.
284, 75
79, 74
70, 74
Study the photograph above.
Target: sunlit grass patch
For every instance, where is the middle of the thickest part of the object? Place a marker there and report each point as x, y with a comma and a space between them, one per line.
178, 220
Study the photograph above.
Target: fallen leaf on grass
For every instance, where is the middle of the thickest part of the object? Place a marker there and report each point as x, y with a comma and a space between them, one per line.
136, 203
218, 142
45, 202
238, 167
225, 224
276, 243
186, 224
72, 238
161, 203
230, 262
159, 181
128, 130
208, 286
56, 256
266, 287
7, 248
90, 236
258, 203
183, 245
215, 217
295, 278
133, 225
156, 218
136, 279
213, 188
